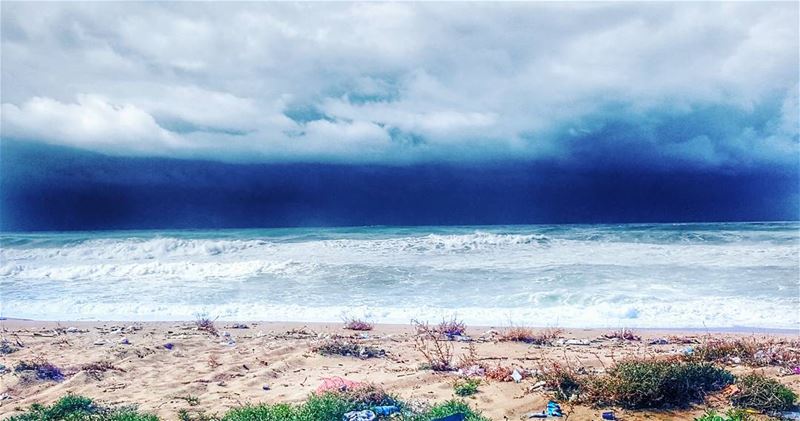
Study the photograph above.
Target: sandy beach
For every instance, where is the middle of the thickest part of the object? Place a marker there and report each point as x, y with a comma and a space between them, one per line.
165, 367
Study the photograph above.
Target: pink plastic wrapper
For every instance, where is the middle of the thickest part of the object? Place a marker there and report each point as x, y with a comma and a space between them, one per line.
336, 384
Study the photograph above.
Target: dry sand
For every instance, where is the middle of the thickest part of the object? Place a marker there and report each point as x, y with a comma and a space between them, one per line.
227, 371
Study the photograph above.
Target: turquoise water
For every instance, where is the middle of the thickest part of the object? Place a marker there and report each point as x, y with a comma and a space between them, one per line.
638, 275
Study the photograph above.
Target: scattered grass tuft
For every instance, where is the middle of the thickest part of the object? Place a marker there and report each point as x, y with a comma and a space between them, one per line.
758, 392
466, 387
529, 336
205, 324
452, 327
437, 351
748, 351
347, 348
731, 415
354, 323
190, 399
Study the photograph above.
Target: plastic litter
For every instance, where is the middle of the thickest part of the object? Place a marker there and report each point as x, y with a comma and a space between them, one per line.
454, 417
365, 415
265, 387
791, 415
517, 376
473, 370
796, 370
336, 384
608, 416
659, 341
124, 341
169, 345
554, 409
688, 351
386, 409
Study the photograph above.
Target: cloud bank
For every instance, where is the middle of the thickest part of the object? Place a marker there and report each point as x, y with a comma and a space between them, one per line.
664, 85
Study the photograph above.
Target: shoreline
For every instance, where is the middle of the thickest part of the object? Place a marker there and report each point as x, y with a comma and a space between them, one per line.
738, 330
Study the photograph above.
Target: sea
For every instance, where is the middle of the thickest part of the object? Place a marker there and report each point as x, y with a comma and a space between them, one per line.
718, 275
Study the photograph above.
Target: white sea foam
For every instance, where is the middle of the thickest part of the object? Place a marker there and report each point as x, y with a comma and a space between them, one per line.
712, 275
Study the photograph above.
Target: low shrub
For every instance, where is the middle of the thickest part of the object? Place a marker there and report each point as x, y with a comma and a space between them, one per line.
654, 383
449, 408
43, 369
78, 408
466, 387
205, 324
562, 379
763, 394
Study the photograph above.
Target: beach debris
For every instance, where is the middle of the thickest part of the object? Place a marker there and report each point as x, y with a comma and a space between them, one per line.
3, 369
169, 345
516, 375
659, 341
790, 415
796, 370
99, 342
386, 409
44, 370
266, 387
537, 415
583, 342
736, 360
348, 348
554, 409
624, 334
124, 341
336, 384
454, 417
472, 370
365, 415
538, 385
689, 350
608, 415
7, 348
72, 329
238, 326
225, 334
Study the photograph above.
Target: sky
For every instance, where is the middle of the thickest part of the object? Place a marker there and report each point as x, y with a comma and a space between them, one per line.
343, 113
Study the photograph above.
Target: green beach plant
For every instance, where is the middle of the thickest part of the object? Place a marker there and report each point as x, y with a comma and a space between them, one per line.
730, 415
466, 387
656, 383
761, 393
79, 408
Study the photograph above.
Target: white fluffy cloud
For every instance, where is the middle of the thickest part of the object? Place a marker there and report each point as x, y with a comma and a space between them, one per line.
393, 82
